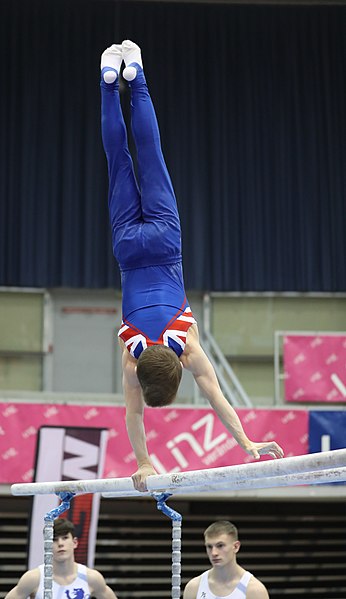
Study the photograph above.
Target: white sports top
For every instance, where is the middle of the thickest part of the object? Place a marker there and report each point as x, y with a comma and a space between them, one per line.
239, 592
78, 589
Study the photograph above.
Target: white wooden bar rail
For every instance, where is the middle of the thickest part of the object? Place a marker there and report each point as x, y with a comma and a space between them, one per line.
282, 472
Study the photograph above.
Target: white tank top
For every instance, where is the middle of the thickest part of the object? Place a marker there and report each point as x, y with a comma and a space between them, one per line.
78, 589
239, 592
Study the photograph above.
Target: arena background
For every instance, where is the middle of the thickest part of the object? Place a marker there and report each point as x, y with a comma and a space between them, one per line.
251, 104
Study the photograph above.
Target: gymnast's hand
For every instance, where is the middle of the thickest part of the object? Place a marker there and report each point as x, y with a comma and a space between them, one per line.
272, 449
139, 478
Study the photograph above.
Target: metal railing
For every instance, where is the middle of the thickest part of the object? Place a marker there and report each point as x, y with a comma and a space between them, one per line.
229, 382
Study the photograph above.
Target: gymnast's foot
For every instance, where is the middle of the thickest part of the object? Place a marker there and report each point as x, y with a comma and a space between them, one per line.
132, 58
111, 60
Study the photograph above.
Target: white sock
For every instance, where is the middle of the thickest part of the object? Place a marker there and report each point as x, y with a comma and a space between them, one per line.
112, 57
131, 53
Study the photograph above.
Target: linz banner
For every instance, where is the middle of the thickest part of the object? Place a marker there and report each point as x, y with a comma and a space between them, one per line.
68, 453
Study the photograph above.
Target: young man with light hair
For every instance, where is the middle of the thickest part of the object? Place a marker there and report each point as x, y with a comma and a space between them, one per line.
226, 579
159, 335
70, 579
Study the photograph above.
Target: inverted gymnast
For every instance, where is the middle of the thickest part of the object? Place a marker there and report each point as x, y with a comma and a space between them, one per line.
159, 334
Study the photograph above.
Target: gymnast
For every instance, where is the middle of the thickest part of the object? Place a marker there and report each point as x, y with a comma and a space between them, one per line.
70, 579
226, 578
159, 334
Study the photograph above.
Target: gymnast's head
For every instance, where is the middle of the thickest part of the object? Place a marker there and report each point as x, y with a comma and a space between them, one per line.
159, 372
222, 543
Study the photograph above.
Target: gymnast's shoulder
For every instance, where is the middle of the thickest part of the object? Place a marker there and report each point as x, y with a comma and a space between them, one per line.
190, 591
256, 589
27, 585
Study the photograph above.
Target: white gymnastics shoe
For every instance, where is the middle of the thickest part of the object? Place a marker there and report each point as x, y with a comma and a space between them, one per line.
111, 60
132, 56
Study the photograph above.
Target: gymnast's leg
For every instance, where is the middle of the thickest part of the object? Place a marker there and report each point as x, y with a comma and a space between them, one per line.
157, 194
124, 199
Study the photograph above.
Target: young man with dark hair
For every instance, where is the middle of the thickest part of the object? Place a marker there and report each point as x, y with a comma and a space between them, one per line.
226, 578
159, 334
62, 528
70, 580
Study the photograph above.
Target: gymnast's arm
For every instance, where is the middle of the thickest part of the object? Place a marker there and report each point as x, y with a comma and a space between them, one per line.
195, 360
134, 419
26, 586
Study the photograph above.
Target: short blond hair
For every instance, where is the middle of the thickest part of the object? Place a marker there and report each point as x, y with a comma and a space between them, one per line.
221, 527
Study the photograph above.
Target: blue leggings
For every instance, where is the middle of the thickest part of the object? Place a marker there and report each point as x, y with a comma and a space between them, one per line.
144, 215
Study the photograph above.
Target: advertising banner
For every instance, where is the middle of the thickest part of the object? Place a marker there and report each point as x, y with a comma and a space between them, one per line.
66, 453
327, 430
178, 438
315, 368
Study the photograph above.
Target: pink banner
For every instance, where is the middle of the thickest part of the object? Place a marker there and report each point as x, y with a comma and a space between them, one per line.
178, 438
315, 368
